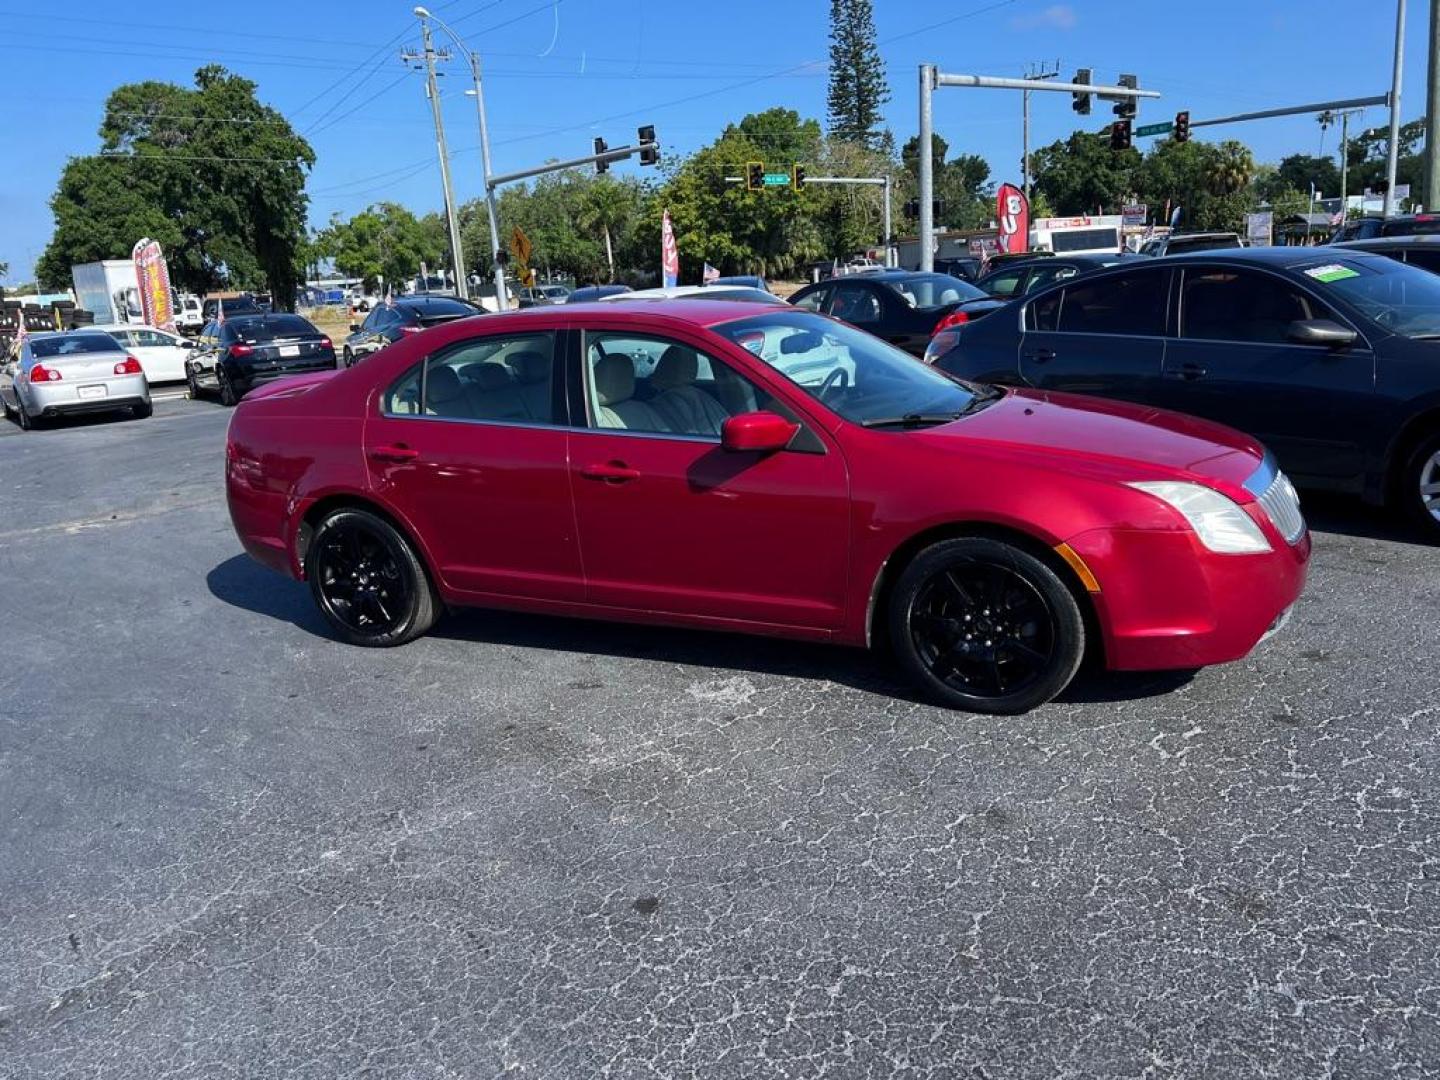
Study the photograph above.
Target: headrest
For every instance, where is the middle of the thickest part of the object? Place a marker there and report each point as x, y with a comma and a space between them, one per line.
442, 384
529, 366
488, 376
678, 367
614, 379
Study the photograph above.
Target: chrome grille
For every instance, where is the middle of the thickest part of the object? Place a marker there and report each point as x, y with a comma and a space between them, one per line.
1283, 505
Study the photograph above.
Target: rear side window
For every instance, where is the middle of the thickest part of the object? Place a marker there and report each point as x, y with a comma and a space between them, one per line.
1124, 304
483, 379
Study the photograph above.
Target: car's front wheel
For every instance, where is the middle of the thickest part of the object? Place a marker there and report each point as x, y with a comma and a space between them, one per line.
1420, 486
349, 357
985, 626
368, 581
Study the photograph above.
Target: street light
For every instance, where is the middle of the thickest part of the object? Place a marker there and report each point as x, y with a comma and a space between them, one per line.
501, 297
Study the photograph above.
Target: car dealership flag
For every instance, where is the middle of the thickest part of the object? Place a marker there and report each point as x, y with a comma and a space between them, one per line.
669, 254
709, 274
1012, 211
153, 277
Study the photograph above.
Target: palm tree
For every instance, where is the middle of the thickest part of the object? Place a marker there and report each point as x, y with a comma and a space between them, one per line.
603, 208
1234, 167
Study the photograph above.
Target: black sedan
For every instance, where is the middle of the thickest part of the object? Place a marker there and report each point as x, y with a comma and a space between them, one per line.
388, 323
1371, 228
1018, 278
239, 354
1330, 356
901, 306
1416, 249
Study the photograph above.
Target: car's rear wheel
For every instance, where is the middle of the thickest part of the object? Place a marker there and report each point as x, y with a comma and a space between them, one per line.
985, 626
227, 392
1420, 486
142, 411
193, 386
368, 581
349, 357
21, 416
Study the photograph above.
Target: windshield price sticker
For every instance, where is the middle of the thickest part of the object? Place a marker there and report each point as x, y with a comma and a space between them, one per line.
1331, 272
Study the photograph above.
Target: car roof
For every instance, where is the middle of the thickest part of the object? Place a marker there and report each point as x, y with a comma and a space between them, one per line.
696, 312
107, 327
1377, 243
425, 300
1266, 256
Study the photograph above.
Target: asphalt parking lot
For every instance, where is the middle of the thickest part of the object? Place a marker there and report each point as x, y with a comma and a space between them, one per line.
230, 846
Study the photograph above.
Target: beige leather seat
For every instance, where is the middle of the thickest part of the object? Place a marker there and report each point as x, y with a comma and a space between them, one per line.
683, 406
615, 391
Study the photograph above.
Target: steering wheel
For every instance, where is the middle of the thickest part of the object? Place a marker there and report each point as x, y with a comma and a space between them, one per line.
838, 379
1386, 318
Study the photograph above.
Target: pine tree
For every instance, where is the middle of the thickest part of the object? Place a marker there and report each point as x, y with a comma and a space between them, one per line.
857, 75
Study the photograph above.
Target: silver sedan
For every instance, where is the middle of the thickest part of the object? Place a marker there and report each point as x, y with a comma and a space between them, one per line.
80, 371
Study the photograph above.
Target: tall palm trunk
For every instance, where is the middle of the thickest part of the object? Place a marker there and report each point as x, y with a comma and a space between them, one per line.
609, 252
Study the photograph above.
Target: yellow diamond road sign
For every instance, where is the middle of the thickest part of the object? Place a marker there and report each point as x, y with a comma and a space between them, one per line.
520, 246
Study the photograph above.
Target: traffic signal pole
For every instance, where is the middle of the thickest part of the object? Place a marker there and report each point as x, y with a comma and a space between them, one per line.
931, 79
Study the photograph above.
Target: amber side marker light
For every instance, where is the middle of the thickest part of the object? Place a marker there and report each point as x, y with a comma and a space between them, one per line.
1073, 560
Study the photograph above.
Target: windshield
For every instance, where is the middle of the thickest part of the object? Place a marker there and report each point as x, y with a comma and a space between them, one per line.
71, 344
1085, 240
926, 291
847, 370
1201, 243
1423, 225
270, 328
554, 290
1400, 298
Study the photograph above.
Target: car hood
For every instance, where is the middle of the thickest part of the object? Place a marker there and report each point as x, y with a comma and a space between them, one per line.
1113, 439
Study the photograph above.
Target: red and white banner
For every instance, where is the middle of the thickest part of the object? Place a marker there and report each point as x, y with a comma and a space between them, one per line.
669, 254
1012, 211
153, 278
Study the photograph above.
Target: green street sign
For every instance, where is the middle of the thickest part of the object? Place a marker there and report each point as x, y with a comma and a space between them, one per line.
1156, 129
777, 179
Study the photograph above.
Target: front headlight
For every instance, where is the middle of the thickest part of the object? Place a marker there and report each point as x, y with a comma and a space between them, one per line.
1219, 521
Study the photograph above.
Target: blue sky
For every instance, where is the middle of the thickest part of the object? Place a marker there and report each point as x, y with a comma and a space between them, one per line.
560, 72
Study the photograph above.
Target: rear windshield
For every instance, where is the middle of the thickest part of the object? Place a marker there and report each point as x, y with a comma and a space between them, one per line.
1084, 240
270, 328
72, 345
924, 291
437, 311
1201, 243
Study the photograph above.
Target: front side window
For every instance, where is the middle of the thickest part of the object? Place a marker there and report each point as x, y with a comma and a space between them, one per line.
855, 304
1004, 283
1047, 275
852, 373
1242, 305
1132, 304
150, 338
665, 387
506, 378
813, 301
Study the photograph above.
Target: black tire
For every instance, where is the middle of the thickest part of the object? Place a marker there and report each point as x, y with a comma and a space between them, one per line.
192, 384
22, 417
1420, 487
349, 357
142, 411
985, 626
228, 397
368, 581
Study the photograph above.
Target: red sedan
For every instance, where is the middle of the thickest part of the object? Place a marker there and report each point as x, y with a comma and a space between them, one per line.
745, 467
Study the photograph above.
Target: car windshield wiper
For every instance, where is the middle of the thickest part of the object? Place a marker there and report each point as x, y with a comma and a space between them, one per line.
913, 419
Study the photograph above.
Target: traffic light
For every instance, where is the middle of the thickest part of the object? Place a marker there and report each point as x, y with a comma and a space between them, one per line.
600, 148
798, 175
1120, 135
1182, 126
1079, 99
911, 209
649, 148
754, 175
1125, 107
502, 258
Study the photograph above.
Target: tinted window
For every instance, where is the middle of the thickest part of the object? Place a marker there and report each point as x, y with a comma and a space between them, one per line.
498, 378
1084, 240
270, 328
1047, 275
73, 344
855, 304
1004, 283
812, 301
1124, 304
1402, 299
1422, 226
1179, 244
1425, 260
927, 291
1242, 305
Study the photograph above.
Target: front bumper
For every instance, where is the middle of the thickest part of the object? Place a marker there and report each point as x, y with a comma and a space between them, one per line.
1166, 601
74, 397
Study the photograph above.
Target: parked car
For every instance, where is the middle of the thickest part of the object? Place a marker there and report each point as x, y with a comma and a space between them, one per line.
903, 307
234, 305
753, 281
1018, 278
1330, 356
1369, 228
965, 267
988, 535
69, 373
161, 353
263, 301
188, 315
1180, 243
540, 295
595, 292
699, 292
388, 323
1415, 249
247, 351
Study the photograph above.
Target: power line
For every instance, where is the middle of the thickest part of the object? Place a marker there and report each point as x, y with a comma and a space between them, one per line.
313, 130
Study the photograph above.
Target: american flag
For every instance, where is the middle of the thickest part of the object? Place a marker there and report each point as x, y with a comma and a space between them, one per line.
709, 274
220, 313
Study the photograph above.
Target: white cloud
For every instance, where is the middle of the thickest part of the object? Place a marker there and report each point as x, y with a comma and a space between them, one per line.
1054, 17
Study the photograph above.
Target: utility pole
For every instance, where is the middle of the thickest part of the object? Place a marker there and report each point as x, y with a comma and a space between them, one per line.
1432, 114
1036, 71
1392, 159
457, 260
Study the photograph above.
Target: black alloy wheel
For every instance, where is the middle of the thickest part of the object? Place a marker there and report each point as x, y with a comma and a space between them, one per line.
368, 581
1421, 487
986, 626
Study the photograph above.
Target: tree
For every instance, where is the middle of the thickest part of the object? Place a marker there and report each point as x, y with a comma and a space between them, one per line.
603, 207
384, 241
4, 269
1210, 181
858, 89
1367, 156
211, 173
1082, 175
1299, 171
963, 183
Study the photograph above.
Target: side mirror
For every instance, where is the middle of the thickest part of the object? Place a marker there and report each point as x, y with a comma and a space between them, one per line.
354, 327
188, 344
1320, 332
757, 432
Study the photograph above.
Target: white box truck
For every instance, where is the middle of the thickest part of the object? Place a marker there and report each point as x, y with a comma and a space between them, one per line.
110, 289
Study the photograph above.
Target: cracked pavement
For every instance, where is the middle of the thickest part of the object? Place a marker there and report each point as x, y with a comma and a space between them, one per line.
232, 847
